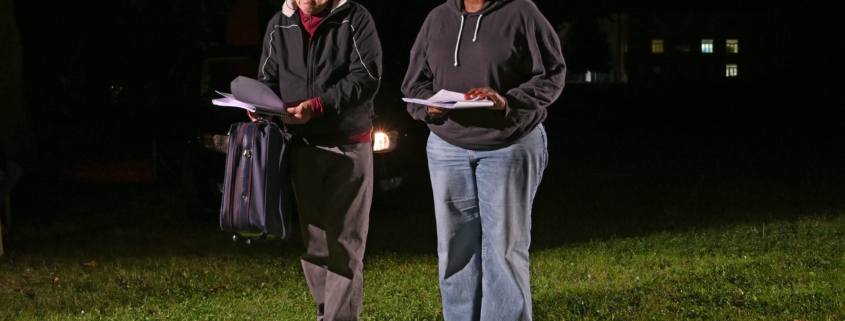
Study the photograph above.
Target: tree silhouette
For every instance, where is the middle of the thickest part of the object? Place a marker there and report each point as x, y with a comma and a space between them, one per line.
15, 136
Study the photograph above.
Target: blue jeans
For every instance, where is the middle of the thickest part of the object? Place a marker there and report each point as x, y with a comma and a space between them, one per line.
482, 203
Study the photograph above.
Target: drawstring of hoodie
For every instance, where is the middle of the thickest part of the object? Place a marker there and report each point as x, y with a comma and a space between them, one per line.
477, 23
461, 31
457, 45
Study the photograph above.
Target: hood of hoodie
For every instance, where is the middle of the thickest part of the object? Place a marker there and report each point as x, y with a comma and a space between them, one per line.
290, 6
458, 6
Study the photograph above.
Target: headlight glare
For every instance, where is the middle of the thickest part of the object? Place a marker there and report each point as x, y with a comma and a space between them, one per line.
384, 142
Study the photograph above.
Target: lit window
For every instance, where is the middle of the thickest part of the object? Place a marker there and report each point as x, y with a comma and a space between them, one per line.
733, 46
707, 45
730, 71
682, 48
657, 46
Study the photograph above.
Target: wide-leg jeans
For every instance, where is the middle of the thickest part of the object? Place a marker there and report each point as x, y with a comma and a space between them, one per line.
482, 202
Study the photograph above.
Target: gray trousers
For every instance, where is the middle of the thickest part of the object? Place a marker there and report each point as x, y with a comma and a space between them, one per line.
334, 188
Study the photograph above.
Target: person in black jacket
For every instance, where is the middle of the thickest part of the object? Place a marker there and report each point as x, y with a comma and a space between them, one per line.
485, 163
323, 58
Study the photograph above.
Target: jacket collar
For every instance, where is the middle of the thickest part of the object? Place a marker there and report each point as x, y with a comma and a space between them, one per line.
290, 7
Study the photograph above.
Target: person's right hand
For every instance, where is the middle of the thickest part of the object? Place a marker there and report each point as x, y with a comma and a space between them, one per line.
300, 114
437, 111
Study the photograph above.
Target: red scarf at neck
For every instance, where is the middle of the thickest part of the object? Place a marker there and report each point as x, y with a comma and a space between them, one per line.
310, 22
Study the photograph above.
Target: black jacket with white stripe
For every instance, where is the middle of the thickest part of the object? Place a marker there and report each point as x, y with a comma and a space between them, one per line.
342, 67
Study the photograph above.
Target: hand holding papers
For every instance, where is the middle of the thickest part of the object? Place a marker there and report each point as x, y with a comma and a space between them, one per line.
451, 100
250, 94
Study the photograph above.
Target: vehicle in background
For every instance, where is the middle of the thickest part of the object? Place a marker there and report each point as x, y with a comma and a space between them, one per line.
203, 129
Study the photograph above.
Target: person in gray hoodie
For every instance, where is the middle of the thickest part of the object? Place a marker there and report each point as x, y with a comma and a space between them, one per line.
485, 163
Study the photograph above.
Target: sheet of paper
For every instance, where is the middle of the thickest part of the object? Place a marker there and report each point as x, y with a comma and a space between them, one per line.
450, 99
253, 92
231, 102
252, 95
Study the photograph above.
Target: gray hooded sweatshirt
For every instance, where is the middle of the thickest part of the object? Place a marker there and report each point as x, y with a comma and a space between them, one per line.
507, 45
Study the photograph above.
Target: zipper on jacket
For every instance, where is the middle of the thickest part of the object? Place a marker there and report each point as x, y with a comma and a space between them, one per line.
309, 64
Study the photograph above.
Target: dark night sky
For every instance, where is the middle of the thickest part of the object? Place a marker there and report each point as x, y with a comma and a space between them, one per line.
116, 38
106, 30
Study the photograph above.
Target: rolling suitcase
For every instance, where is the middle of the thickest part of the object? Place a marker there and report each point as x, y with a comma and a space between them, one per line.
257, 193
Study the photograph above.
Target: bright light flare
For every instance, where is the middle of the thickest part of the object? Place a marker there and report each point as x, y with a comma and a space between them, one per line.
384, 142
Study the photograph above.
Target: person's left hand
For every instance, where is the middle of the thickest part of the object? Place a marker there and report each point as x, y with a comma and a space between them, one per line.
499, 102
301, 113
437, 111
255, 116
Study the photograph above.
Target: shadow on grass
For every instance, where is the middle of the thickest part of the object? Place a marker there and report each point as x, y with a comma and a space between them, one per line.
98, 220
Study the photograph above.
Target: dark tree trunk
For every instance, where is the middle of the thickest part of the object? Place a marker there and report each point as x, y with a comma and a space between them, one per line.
15, 136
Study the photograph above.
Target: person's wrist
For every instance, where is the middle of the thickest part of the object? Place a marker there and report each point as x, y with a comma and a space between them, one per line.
317, 107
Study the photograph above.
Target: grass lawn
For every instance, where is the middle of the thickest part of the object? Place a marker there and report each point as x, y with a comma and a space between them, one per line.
143, 261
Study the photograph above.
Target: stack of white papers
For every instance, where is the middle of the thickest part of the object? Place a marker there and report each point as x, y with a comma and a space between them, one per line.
451, 100
252, 95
